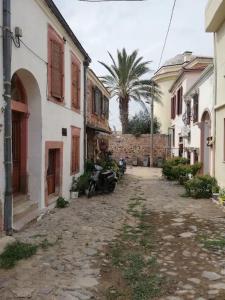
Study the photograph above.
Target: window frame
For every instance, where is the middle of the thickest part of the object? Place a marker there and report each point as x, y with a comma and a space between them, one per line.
195, 112
53, 35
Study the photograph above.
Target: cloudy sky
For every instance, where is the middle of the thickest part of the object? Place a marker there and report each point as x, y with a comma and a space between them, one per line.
103, 27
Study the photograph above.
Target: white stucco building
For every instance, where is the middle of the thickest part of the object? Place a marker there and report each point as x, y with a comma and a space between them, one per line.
198, 121
165, 77
188, 75
48, 65
215, 23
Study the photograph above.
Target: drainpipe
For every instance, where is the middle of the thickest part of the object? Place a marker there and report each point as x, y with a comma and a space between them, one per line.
152, 133
86, 64
7, 49
215, 103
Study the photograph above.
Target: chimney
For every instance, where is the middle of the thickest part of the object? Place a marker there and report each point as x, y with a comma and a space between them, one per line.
187, 56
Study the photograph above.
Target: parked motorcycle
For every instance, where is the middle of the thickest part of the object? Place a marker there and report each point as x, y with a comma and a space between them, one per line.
103, 182
122, 166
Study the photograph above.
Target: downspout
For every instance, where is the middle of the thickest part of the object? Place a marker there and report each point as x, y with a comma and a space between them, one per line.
7, 49
215, 103
86, 64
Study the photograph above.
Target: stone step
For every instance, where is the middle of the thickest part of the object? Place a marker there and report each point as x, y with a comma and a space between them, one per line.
19, 223
24, 211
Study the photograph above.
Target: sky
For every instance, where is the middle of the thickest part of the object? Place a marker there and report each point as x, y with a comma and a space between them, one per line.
103, 27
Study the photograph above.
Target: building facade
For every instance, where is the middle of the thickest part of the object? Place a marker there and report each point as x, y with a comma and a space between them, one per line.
165, 77
215, 23
98, 129
188, 75
48, 65
198, 121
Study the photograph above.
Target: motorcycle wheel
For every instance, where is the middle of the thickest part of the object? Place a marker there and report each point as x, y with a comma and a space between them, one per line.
91, 190
112, 187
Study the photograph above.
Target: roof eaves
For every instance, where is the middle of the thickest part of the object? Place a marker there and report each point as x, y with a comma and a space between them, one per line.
67, 28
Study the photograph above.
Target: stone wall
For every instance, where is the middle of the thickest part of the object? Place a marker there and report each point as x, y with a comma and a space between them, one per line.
137, 148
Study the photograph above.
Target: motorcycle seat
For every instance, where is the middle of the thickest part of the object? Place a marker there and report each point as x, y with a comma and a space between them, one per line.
106, 173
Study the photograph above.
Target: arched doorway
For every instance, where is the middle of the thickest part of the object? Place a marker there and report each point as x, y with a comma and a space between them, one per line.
205, 150
19, 136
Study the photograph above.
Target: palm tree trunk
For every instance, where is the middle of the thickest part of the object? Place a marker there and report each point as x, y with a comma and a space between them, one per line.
124, 110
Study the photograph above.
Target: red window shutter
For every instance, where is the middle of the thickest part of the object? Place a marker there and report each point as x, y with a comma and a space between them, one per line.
75, 80
172, 108
181, 99
56, 70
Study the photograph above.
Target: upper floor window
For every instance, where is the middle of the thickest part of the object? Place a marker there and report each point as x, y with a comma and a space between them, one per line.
179, 100
75, 82
195, 108
106, 107
97, 101
188, 108
55, 66
173, 107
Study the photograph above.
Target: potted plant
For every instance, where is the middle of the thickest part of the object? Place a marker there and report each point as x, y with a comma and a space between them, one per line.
74, 193
222, 196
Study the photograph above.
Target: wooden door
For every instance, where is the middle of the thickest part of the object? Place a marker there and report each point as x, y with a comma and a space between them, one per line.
16, 151
51, 172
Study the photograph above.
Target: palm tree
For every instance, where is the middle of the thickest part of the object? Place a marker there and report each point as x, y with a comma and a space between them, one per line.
154, 94
125, 81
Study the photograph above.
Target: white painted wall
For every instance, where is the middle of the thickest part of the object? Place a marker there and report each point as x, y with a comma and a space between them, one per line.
186, 82
46, 119
206, 94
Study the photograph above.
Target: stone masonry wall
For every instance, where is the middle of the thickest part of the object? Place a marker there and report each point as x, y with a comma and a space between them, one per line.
131, 147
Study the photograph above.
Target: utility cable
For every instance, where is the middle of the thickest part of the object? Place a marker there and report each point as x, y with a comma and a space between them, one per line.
167, 33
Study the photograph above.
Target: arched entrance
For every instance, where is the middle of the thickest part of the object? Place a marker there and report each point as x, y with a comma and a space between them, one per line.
27, 176
19, 136
205, 150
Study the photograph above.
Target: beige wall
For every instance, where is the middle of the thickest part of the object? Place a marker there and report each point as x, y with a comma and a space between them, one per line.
163, 110
215, 14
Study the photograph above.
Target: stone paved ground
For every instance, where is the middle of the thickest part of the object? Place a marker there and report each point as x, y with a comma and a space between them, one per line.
69, 266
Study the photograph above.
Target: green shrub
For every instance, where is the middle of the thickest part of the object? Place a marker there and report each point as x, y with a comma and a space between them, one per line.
83, 182
15, 252
178, 169
61, 203
168, 169
201, 187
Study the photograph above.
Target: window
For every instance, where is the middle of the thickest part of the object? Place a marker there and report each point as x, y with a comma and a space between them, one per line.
179, 101
106, 107
75, 82
195, 156
195, 108
173, 107
97, 101
55, 66
181, 147
75, 150
173, 137
188, 113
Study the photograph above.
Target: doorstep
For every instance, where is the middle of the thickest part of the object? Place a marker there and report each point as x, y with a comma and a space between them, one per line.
24, 211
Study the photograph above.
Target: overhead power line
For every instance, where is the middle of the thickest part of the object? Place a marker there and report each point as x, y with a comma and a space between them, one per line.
167, 33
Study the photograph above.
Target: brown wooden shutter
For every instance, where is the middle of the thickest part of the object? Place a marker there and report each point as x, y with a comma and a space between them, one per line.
75, 85
75, 154
56, 70
172, 103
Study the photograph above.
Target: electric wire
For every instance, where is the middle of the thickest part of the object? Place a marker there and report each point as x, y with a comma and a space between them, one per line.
167, 33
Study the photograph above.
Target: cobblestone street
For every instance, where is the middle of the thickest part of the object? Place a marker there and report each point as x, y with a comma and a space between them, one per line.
74, 263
